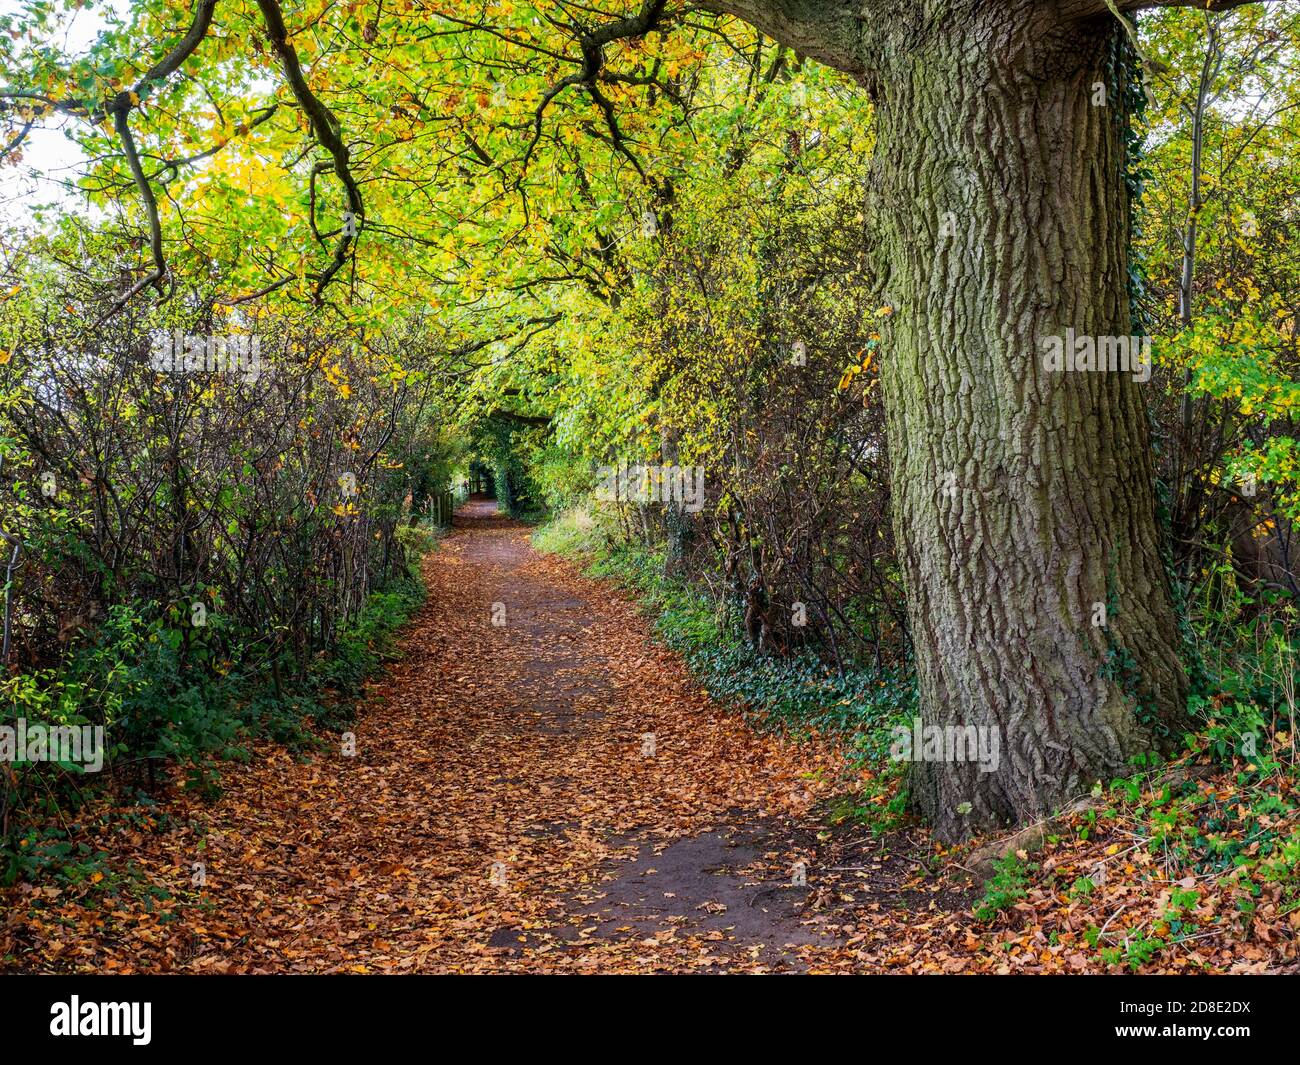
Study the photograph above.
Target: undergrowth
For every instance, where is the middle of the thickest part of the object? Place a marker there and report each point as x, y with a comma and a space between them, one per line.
173, 705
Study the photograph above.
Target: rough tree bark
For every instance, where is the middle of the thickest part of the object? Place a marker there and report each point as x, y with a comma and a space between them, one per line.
1024, 497
1024, 502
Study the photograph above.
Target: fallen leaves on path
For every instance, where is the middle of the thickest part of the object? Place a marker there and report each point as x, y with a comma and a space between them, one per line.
538, 786
499, 770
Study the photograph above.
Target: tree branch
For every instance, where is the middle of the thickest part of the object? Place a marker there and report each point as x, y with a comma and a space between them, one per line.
1071, 9
159, 271
593, 58
325, 129
829, 31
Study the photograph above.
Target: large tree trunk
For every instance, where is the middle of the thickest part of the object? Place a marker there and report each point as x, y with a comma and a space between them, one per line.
1024, 497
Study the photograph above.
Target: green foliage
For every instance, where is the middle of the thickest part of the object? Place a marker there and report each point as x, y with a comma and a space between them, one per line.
563, 477
159, 713
576, 533
366, 642
1135, 951
1008, 885
507, 449
47, 854
416, 540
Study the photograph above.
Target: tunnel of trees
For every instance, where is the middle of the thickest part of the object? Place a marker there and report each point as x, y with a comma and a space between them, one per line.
977, 319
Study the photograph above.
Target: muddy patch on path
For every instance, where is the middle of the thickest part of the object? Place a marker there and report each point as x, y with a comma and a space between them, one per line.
717, 885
